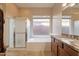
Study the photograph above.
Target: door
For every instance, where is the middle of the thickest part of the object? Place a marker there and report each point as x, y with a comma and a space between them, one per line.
1, 31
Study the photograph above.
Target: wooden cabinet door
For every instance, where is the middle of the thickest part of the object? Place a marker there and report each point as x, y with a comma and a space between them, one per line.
70, 51
61, 52
1, 31
54, 49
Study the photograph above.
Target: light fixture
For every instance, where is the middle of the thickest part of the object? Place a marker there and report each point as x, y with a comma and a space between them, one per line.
64, 4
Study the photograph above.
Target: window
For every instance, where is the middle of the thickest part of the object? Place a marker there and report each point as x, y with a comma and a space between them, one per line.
65, 24
41, 26
76, 27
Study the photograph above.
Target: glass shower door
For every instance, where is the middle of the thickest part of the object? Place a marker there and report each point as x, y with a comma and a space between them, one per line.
19, 32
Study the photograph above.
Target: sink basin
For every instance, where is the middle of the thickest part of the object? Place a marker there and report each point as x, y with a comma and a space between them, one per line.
71, 41
75, 42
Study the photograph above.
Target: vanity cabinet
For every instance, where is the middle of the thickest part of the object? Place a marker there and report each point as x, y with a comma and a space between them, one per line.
61, 51
60, 48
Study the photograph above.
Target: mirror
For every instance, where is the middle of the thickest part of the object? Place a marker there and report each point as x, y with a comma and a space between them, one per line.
70, 20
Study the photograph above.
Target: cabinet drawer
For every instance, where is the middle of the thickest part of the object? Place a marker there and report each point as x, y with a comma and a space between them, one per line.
70, 51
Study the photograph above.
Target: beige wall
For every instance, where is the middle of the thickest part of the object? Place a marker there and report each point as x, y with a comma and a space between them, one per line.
28, 12
75, 17
11, 10
1, 6
41, 11
24, 12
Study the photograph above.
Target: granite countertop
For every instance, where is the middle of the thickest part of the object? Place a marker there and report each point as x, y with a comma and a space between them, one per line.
74, 43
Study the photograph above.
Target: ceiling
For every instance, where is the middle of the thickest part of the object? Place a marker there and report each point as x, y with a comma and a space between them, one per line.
20, 5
